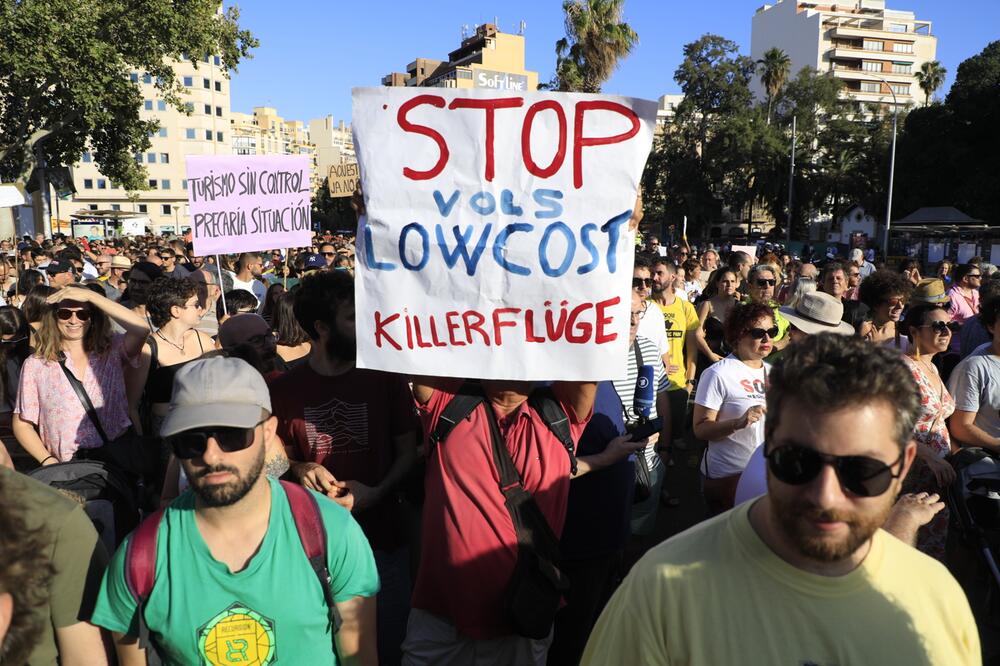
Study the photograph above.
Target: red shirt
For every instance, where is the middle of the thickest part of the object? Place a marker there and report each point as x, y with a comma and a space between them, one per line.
346, 423
469, 546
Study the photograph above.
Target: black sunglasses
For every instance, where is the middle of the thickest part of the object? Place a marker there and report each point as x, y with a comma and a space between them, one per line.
942, 327
66, 314
764, 282
859, 475
192, 443
759, 333
641, 282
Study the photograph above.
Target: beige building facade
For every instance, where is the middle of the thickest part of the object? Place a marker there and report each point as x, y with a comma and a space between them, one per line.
334, 144
874, 50
205, 130
264, 132
488, 59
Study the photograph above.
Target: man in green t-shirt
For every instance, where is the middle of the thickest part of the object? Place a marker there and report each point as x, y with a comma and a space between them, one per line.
233, 584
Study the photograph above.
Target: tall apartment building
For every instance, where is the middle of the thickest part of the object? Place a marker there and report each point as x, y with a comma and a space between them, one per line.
264, 132
488, 59
861, 42
206, 130
334, 144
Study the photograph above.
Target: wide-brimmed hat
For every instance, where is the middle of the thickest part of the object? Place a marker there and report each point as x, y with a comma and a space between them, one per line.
818, 312
120, 261
930, 290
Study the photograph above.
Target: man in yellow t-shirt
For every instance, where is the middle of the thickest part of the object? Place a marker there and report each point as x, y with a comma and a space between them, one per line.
680, 321
805, 574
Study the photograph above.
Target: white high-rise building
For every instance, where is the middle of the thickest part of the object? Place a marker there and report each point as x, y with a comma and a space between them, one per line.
861, 42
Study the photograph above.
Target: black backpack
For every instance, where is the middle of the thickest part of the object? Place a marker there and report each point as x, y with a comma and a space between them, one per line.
108, 497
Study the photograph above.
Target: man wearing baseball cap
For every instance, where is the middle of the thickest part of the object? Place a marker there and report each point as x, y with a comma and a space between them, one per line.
232, 580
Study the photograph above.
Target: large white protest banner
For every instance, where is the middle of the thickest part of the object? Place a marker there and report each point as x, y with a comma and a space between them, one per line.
242, 203
496, 241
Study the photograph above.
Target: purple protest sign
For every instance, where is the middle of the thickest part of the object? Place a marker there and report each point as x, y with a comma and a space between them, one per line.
246, 203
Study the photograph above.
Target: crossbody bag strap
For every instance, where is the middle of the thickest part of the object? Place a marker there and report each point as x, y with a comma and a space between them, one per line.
88, 406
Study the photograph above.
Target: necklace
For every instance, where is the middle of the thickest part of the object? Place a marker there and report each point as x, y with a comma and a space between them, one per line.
178, 347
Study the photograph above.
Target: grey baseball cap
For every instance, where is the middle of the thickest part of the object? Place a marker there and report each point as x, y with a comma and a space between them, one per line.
216, 391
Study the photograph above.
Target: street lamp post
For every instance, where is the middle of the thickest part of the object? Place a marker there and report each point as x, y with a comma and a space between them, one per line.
177, 223
892, 168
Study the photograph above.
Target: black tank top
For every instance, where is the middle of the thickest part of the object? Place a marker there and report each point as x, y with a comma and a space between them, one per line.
160, 380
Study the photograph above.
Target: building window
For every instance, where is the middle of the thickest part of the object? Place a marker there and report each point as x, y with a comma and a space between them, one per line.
164, 158
165, 209
900, 89
134, 77
217, 60
208, 135
872, 45
161, 105
218, 111
142, 208
218, 137
116, 207
152, 183
163, 132
218, 86
206, 84
87, 158
138, 158
208, 109
148, 104
88, 183
870, 66
902, 68
897, 27
189, 133
146, 78
164, 184
102, 184
902, 48
869, 87
92, 206
184, 184
188, 81
151, 158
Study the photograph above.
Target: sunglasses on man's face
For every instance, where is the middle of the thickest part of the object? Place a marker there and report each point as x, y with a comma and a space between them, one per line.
760, 333
192, 443
764, 282
639, 283
943, 327
859, 475
66, 314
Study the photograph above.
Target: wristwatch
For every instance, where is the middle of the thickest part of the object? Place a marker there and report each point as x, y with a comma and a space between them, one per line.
692, 382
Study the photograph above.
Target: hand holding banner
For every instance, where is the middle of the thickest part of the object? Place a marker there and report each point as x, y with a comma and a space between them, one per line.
496, 240
246, 203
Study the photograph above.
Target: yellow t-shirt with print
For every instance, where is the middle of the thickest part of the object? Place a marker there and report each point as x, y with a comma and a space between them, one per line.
679, 320
716, 594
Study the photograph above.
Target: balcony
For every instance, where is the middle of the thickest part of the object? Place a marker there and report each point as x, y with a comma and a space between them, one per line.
858, 53
844, 31
858, 74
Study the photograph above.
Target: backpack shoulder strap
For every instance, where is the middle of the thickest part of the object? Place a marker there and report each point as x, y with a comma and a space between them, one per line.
461, 405
312, 534
140, 569
543, 401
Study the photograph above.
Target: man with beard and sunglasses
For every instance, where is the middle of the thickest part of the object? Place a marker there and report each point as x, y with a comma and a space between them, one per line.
231, 582
804, 575
351, 433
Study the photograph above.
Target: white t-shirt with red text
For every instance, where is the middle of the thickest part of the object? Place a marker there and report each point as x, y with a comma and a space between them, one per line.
731, 387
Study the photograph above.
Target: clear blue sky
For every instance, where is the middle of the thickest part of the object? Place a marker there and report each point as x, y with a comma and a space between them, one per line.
312, 52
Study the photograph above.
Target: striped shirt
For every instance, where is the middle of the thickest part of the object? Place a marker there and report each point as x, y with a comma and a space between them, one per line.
626, 387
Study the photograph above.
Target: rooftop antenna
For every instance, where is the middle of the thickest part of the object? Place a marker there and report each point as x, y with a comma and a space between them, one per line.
496, 22
521, 28
465, 31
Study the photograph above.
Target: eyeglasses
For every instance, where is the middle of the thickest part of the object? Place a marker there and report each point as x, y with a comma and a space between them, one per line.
895, 302
196, 306
639, 283
974, 275
859, 475
329, 254
192, 443
165, 257
66, 314
942, 327
764, 282
760, 333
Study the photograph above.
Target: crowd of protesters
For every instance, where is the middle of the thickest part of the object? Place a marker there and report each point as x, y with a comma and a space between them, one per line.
221, 387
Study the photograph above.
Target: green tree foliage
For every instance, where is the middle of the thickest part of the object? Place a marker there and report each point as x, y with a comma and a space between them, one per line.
596, 41
930, 78
947, 152
332, 212
774, 68
64, 76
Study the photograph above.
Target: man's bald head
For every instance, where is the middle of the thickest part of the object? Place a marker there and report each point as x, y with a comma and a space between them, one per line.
809, 271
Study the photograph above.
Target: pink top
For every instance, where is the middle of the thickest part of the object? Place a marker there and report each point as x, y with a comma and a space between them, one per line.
936, 405
963, 307
46, 399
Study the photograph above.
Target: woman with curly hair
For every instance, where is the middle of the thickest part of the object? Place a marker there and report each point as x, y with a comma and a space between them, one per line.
885, 293
729, 404
175, 310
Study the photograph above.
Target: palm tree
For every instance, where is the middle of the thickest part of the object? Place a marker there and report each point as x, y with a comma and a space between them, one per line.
774, 68
930, 78
596, 40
